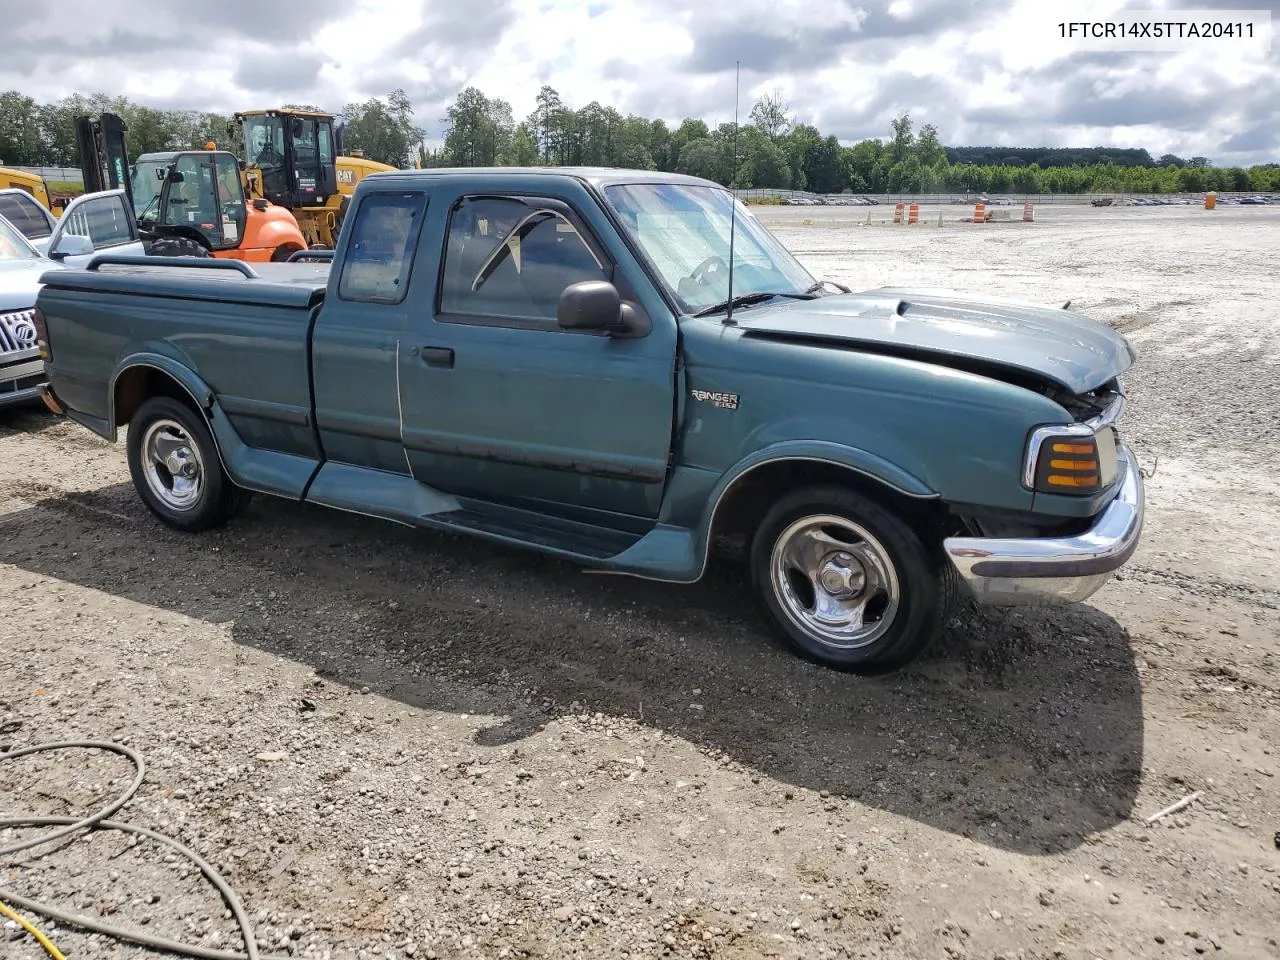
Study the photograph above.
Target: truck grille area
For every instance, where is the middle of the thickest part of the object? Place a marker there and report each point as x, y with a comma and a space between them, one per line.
17, 331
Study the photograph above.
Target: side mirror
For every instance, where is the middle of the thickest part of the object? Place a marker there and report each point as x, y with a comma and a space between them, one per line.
597, 305
71, 245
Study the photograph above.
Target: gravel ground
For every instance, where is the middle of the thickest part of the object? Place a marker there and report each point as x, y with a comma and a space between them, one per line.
405, 744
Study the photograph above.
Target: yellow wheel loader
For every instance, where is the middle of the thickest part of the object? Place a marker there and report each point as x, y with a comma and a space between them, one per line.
294, 158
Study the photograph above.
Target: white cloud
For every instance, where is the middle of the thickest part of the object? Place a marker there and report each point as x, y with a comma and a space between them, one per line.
983, 71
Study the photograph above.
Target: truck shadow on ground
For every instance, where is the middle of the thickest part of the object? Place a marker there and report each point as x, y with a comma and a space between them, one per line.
26, 418
1022, 730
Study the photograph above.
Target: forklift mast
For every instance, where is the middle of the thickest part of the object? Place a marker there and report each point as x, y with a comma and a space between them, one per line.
104, 158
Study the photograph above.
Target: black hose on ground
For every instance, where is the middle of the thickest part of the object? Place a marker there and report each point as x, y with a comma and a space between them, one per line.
100, 821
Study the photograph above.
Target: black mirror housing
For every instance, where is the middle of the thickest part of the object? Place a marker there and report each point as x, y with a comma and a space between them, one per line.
590, 305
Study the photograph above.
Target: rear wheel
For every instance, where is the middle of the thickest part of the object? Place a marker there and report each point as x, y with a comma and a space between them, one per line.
174, 247
174, 462
846, 583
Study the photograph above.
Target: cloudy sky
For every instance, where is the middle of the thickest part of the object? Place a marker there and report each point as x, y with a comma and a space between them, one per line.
983, 71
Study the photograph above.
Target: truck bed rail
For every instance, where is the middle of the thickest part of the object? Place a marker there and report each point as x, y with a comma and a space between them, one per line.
298, 256
198, 263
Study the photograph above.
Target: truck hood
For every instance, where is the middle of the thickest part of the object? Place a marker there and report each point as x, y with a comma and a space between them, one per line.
20, 282
950, 328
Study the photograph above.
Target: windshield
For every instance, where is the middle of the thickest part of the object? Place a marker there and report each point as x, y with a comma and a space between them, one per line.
13, 245
145, 184
264, 142
683, 230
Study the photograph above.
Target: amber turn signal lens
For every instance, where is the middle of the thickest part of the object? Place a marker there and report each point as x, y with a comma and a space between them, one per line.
1069, 465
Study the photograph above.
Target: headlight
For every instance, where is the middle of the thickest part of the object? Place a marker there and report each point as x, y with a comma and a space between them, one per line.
1071, 459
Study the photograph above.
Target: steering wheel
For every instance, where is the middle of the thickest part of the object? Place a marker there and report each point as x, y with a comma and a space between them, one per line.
709, 270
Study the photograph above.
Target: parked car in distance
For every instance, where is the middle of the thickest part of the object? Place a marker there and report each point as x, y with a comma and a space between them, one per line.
558, 359
24, 212
90, 223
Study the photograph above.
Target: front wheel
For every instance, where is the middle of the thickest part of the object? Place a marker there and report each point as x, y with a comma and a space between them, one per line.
176, 469
846, 583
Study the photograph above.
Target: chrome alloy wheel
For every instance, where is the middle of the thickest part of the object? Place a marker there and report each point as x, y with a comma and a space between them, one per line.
172, 465
835, 581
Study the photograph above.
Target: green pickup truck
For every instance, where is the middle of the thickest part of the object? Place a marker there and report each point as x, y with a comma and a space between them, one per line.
562, 359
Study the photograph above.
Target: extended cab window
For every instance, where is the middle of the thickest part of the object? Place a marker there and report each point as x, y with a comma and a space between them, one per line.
511, 259
378, 258
103, 220
25, 214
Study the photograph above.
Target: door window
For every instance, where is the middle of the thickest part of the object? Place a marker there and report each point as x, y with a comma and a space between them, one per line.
511, 259
104, 220
379, 257
326, 142
193, 201
230, 197
24, 213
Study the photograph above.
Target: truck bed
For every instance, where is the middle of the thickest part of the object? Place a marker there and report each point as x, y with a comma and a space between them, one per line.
243, 330
275, 284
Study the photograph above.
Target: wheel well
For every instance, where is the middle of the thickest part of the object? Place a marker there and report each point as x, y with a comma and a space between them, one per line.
749, 498
139, 384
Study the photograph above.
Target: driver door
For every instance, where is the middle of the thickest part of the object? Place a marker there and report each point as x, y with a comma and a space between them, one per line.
502, 404
104, 219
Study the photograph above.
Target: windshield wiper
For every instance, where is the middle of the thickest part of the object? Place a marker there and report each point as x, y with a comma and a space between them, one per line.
822, 283
747, 299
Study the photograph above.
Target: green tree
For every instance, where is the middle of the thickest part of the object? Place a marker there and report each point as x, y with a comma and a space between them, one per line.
20, 141
902, 142
771, 115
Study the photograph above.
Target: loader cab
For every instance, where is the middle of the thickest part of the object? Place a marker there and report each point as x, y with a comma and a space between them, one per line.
294, 153
195, 193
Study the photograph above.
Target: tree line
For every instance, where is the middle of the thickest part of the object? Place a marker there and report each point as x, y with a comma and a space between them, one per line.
771, 150
774, 150
43, 134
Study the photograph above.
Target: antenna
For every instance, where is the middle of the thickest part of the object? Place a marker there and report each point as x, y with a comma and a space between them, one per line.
733, 174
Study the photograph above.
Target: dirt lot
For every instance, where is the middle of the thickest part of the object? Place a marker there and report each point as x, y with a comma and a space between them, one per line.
401, 744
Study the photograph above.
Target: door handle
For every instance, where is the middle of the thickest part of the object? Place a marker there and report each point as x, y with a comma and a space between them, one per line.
438, 356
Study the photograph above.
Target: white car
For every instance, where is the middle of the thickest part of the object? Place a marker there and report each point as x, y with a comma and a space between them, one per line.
92, 224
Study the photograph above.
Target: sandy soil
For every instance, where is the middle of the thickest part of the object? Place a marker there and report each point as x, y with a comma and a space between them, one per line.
400, 744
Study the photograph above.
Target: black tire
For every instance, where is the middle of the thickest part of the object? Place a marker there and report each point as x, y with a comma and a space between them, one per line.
343, 206
281, 254
892, 553
208, 502
174, 247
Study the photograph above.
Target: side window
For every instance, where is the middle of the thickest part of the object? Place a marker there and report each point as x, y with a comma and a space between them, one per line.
230, 189
326, 143
380, 253
510, 259
102, 219
25, 214
193, 200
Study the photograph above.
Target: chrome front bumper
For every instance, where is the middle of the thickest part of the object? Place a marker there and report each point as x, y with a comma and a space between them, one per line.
1056, 570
